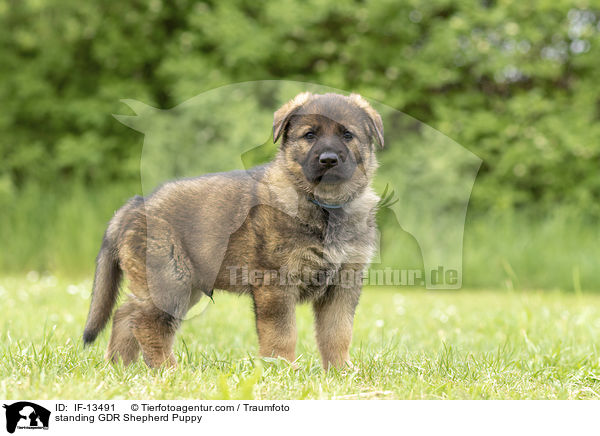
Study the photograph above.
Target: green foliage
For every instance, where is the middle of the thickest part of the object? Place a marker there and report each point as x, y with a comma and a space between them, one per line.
514, 82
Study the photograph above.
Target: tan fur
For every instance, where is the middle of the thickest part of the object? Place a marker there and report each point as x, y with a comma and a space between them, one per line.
375, 117
275, 323
123, 343
333, 319
282, 114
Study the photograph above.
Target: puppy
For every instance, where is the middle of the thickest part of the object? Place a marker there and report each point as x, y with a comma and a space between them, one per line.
298, 229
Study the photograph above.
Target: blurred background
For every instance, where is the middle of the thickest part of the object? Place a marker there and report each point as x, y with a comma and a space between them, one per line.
513, 82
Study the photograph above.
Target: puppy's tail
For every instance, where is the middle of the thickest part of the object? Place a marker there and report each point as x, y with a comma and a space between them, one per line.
106, 289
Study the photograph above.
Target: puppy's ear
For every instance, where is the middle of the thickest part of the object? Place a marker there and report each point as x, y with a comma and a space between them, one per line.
284, 113
375, 119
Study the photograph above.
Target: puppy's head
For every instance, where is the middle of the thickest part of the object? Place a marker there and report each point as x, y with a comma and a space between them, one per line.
328, 144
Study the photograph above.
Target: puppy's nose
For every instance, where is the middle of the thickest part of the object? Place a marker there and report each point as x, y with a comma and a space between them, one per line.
328, 159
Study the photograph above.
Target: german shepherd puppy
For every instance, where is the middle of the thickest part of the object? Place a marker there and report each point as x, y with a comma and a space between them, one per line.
300, 228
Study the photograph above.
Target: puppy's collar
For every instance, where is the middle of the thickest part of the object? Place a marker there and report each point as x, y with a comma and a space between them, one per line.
325, 205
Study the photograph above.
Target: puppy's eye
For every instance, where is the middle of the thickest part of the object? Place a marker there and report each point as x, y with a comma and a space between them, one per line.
310, 136
348, 135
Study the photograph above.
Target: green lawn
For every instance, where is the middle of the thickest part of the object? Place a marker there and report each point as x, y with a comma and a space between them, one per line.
408, 344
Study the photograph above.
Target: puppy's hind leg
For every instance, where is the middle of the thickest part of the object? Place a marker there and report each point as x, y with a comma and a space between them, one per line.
155, 330
164, 292
123, 344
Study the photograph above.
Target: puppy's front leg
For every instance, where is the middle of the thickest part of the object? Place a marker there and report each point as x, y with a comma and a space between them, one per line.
334, 316
275, 310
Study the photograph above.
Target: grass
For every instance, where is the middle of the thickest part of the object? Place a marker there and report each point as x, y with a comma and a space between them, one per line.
408, 344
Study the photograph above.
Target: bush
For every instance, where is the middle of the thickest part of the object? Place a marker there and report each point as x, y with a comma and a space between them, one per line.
514, 82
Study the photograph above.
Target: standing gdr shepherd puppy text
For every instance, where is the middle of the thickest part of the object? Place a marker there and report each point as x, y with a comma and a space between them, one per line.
300, 228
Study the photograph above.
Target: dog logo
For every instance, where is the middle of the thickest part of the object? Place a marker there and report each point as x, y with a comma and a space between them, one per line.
26, 415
